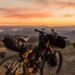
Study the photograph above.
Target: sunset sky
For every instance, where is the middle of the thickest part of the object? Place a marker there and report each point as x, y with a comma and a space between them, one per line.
37, 12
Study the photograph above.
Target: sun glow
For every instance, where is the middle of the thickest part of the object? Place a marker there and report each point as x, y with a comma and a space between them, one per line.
48, 13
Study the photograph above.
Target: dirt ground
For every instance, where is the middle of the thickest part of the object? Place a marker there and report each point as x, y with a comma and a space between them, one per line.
68, 67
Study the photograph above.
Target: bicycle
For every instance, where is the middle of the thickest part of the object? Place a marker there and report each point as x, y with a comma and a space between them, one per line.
51, 62
38, 67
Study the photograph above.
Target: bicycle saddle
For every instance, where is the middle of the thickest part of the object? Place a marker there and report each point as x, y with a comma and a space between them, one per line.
24, 39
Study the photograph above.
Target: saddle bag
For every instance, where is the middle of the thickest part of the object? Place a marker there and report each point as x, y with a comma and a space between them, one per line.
11, 44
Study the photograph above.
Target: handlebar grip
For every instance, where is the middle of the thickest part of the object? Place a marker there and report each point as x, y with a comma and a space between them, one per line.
40, 31
65, 37
36, 30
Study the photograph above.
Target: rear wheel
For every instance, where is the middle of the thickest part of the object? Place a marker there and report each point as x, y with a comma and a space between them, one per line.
9, 65
47, 69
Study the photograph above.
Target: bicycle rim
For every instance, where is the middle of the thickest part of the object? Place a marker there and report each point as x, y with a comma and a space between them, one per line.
8, 64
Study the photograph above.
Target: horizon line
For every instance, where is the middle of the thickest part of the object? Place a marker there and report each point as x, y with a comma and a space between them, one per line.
34, 26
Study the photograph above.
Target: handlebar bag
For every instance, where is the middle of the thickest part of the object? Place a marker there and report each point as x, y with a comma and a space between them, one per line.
60, 42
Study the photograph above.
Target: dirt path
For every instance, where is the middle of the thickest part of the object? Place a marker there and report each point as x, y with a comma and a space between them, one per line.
68, 61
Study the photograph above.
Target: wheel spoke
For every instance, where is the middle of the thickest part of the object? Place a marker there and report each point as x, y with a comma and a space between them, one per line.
7, 65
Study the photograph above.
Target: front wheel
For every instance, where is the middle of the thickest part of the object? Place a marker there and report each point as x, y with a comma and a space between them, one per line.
48, 69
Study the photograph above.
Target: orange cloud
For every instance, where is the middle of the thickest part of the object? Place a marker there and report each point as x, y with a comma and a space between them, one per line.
68, 15
9, 11
30, 15
24, 13
66, 4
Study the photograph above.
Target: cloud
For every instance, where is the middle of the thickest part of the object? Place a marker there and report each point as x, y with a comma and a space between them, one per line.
30, 15
7, 10
36, 8
28, 4
69, 15
24, 13
66, 4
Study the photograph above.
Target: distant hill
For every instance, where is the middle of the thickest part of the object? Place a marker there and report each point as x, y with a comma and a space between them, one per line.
16, 30
29, 31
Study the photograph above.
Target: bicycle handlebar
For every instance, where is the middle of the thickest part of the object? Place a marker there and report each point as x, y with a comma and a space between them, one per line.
64, 37
47, 33
40, 31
